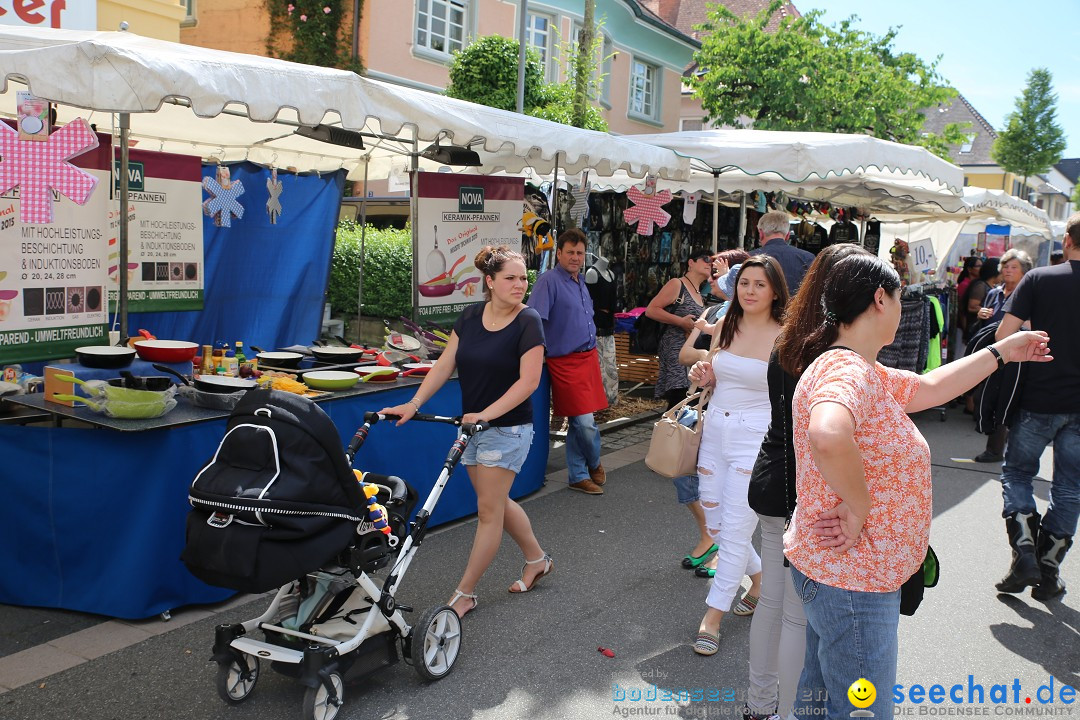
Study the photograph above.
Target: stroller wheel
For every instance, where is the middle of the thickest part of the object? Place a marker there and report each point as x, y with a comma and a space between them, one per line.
436, 642
318, 703
235, 681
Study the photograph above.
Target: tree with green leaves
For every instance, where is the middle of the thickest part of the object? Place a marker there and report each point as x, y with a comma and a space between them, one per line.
485, 72
1076, 196
812, 77
1032, 140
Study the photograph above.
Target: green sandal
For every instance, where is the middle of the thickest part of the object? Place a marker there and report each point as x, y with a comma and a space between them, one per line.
692, 561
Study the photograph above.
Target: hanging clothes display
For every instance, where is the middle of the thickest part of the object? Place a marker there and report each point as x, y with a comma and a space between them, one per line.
843, 231
917, 345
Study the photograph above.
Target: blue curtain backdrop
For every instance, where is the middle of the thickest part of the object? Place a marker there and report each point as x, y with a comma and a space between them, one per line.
265, 283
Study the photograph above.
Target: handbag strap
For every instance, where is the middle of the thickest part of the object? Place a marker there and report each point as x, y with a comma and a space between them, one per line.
691, 396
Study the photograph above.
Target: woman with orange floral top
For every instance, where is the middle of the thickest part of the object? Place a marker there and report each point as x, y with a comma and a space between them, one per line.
862, 523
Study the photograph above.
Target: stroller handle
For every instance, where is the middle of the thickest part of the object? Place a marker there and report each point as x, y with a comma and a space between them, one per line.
469, 429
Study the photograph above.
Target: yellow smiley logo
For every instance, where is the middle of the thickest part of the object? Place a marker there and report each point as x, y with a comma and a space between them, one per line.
862, 693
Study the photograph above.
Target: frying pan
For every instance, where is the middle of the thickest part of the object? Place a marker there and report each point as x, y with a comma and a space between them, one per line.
337, 354
166, 351
145, 408
449, 273
154, 383
389, 357
445, 289
330, 379
289, 360
376, 374
436, 261
364, 349
110, 392
104, 357
417, 368
222, 384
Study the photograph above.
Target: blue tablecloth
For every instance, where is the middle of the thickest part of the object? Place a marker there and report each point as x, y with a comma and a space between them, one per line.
93, 520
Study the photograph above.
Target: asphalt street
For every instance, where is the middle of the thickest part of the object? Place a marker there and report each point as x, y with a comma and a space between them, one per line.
617, 584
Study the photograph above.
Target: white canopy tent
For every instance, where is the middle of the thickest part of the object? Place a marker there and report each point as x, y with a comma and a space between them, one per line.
173, 90
231, 106
953, 234
841, 169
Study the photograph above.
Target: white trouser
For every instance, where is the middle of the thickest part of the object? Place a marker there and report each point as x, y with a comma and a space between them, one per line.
728, 450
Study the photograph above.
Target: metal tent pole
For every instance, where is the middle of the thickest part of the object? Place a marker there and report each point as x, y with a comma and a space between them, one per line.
122, 249
414, 189
715, 207
363, 238
742, 220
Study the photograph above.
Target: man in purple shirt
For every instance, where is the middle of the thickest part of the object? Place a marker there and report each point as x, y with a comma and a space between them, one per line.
563, 301
774, 227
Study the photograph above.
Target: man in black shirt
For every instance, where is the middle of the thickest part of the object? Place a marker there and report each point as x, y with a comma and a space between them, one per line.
1048, 298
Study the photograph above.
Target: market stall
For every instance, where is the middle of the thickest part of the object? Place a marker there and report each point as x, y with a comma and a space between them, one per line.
117, 499
99, 525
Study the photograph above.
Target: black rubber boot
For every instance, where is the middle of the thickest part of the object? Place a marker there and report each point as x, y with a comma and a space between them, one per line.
1023, 532
1050, 551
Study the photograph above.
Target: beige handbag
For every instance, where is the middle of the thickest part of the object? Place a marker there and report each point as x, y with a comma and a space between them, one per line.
673, 449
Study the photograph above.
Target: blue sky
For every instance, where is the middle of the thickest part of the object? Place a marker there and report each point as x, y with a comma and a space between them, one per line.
987, 47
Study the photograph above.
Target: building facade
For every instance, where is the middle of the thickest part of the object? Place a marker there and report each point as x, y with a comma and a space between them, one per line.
160, 19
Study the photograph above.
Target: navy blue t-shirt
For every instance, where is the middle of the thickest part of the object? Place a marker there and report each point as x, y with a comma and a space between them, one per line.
488, 363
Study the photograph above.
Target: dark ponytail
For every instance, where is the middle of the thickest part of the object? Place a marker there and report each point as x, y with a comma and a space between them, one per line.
847, 292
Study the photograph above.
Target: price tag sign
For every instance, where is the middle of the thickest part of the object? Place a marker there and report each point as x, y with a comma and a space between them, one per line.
923, 257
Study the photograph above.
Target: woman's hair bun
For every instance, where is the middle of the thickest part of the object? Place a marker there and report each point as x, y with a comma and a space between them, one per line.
483, 259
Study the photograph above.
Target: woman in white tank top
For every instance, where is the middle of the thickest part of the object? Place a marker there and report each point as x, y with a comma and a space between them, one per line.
736, 421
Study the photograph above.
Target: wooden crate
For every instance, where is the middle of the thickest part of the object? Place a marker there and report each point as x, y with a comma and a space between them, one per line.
635, 368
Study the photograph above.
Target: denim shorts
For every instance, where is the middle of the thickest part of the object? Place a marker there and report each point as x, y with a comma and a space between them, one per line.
686, 489
504, 447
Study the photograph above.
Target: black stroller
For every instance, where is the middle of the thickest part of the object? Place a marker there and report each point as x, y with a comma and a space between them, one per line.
280, 506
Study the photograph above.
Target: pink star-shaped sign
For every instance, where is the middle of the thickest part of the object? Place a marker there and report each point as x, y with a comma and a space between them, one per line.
35, 166
646, 210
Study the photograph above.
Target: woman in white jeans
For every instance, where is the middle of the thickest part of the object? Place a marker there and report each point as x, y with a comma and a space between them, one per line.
778, 630
736, 421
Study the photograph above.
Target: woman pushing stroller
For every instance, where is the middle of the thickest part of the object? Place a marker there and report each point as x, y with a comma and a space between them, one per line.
497, 348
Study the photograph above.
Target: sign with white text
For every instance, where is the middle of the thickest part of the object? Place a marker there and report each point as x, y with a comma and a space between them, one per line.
165, 233
457, 215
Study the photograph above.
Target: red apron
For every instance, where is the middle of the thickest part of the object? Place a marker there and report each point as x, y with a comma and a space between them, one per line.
576, 385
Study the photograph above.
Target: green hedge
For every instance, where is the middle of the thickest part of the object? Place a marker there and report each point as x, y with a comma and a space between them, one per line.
387, 271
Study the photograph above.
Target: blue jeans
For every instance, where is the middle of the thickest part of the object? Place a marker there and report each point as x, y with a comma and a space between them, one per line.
582, 447
1028, 437
849, 635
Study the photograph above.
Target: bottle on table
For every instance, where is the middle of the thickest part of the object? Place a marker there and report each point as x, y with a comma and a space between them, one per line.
208, 367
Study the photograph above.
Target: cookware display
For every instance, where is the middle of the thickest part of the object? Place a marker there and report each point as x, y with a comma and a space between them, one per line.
104, 357
280, 359
166, 351
121, 402
152, 406
330, 379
